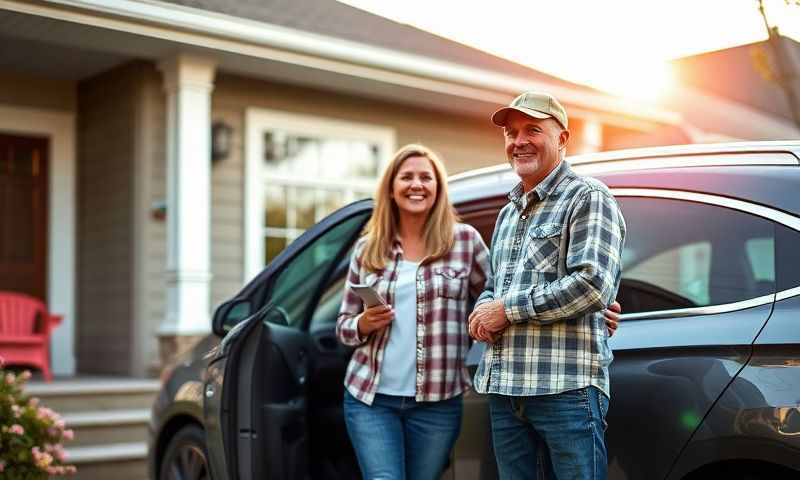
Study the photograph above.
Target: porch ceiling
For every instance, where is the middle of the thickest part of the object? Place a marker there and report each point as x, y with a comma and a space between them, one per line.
52, 48
31, 57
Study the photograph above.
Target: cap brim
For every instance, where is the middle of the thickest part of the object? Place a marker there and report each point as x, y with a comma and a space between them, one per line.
499, 117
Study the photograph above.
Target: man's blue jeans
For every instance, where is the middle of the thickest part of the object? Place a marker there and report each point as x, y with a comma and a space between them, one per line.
559, 436
399, 438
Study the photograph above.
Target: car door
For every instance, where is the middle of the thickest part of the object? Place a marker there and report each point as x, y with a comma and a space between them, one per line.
256, 387
698, 284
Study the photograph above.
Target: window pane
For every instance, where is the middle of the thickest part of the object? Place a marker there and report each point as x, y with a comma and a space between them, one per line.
684, 270
761, 254
788, 255
275, 207
680, 254
304, 206
296, 287
328, 307
273, 246
329, 201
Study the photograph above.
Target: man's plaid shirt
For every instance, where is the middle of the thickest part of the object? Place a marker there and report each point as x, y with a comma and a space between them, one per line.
555, 263
444, 289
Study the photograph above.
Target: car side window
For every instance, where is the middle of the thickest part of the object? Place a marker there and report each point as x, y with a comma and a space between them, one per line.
297, 287
681, 254
327, 309
788, 263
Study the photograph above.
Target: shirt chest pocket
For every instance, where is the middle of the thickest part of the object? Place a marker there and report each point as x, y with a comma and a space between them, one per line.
450, 282
544, 242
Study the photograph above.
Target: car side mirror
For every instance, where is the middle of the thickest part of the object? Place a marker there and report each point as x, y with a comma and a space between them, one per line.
229, 314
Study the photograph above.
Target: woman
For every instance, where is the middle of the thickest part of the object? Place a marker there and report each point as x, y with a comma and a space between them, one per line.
405, 380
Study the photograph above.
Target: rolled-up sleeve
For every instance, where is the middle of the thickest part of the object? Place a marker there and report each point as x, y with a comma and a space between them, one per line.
596, 237
352, 306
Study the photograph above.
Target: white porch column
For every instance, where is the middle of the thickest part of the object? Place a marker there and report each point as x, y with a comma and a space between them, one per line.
188, 81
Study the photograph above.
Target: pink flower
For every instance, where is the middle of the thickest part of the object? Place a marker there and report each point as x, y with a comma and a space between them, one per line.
17, 429
10, 378
68, 435
59, 453
2, 463
16, 411
26, 375
33, 402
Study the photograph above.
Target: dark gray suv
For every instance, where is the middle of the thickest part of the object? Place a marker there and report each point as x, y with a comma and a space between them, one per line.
706, 375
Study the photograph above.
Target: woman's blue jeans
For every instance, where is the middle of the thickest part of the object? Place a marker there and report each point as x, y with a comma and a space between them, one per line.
399, 438
559, 436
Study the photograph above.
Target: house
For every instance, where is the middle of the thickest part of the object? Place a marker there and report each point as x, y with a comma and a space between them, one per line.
169, 149
736, 91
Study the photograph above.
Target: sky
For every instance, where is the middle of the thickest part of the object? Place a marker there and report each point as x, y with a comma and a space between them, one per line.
620, 46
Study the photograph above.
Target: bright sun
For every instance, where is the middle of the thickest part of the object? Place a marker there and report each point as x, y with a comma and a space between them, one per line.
641, 81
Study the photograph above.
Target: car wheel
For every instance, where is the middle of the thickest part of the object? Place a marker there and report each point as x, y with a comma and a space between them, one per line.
186, 457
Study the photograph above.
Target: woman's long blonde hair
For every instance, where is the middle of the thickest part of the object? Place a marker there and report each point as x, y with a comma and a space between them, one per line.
382, 227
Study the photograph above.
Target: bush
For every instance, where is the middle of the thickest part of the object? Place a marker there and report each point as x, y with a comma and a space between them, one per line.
31, 435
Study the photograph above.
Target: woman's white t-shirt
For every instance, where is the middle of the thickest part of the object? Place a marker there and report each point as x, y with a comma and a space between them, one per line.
400, 358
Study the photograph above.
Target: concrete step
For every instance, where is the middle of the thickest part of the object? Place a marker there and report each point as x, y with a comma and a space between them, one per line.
72, 396
104, 427
117, 461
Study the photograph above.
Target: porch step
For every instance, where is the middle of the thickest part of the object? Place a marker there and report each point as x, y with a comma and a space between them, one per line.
118, 461
107, 427
109, 417
71, 396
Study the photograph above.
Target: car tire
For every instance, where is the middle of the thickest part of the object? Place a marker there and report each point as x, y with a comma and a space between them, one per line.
186, 456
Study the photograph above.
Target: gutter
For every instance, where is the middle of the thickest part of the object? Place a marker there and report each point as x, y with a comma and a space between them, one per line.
206, 27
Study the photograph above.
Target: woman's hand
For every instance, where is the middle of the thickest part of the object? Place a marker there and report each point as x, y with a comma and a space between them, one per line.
374, 318
611, 316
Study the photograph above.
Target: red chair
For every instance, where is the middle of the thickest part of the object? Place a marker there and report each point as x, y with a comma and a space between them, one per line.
25, 326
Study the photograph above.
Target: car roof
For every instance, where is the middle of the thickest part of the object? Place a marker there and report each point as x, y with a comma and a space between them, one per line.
762, 172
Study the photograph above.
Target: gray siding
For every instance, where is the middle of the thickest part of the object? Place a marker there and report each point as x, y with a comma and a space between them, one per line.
106, 109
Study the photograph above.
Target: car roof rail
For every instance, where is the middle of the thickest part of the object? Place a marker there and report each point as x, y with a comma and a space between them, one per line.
692, 155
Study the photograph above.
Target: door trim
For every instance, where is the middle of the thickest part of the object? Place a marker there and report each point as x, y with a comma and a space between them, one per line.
59, 128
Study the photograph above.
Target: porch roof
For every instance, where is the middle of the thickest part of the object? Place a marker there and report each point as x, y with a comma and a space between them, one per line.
428, 71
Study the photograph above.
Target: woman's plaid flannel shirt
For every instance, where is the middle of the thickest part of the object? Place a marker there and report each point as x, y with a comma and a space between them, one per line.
446, 288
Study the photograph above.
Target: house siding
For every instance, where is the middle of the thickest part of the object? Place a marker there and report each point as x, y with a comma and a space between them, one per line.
106, 112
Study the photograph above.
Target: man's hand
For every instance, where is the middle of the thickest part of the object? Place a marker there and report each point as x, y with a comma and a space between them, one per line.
488, 321
374, 318
611, 315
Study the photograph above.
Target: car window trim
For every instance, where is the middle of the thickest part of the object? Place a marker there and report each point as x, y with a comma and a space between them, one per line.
700, 311
762, 211
788, 293
777, 216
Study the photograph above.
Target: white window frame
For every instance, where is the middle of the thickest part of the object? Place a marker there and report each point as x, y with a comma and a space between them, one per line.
257, 120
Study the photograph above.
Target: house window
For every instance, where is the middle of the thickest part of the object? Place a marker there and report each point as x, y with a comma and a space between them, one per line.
308, 177
298, 170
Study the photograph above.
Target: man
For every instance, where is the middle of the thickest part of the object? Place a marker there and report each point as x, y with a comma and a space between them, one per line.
555, 258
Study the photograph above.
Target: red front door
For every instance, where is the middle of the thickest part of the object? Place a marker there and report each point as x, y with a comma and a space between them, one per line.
23, 215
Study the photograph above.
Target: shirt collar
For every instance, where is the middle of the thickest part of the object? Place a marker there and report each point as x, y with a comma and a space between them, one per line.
543, 189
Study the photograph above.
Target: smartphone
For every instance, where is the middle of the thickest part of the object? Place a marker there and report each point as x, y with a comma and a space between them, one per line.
368, 294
